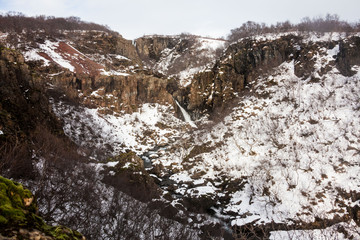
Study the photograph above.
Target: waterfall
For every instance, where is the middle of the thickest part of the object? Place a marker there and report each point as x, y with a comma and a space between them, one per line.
186, 116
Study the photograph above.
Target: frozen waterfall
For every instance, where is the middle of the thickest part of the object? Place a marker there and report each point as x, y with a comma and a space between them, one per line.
186, 116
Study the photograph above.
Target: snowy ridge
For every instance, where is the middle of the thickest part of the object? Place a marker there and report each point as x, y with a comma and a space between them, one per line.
307, 36
68, 57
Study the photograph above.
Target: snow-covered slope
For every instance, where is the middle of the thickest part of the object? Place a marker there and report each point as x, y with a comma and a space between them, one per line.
288, 153
281, 151
296, 151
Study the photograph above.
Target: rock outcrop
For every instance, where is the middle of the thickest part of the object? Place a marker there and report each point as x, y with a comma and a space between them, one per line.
105, 47
150, 48
179, 56
349, 56
241, 63
116, 93
23, 107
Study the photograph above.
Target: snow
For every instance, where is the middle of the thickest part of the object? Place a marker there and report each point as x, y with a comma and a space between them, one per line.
319, 234
213, 44
50, 48
113, 73
32, 55
96, 93
56, 74
181, 177
307, 37
120, 57
185, 75
178, 64
3, 36
122, 131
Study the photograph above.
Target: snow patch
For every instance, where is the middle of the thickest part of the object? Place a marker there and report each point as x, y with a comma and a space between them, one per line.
321, 234
113, 73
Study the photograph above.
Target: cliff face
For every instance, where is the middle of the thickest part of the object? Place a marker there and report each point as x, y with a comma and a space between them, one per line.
248, 59
23, 108
180, 56
116, 93
237, 68
349, 56
150, 48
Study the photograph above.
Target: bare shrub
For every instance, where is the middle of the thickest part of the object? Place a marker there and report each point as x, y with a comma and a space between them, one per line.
329, 23
18, 22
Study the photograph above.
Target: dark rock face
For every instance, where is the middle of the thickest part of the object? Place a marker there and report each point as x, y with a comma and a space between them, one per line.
150, 48
23, 107
348, 56
118, 93
131, 91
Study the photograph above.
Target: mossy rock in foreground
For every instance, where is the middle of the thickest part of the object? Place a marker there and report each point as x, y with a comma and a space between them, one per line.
19, 219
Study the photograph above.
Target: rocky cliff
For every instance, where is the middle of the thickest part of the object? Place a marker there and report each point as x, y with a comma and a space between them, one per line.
244, 61
179, 56
23, 108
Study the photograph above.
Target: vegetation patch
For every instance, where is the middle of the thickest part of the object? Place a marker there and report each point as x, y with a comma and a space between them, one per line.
18, 214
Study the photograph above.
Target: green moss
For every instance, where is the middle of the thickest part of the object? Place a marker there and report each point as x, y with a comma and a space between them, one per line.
62, 233
12, 209
15, 214
3, 220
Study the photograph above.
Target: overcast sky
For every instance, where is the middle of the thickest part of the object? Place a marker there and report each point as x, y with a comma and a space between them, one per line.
134, 18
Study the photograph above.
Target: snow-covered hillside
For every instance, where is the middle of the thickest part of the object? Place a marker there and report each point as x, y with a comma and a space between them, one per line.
288, 153
273, 151
296, 150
